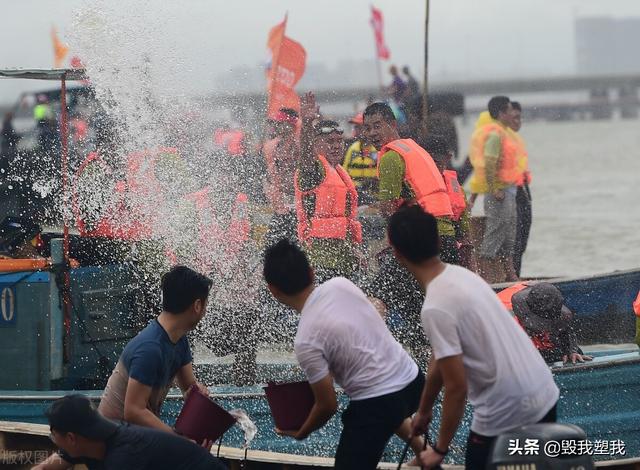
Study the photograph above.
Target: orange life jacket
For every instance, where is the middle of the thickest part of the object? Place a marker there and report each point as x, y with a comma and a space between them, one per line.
506, 294
507, 169
522, 159
333, 216
230, 140
456, 194
422, 176
636, 305
542, 341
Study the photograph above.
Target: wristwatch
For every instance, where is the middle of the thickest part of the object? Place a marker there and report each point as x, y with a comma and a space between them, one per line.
440, 452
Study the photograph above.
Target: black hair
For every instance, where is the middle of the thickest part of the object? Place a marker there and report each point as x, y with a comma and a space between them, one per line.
289, 112
181, 287
497, 105
286, 267
436, 145
414, 233
383, 109
516, 105
327, 123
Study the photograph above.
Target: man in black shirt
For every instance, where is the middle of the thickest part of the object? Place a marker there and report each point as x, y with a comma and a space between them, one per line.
85, 437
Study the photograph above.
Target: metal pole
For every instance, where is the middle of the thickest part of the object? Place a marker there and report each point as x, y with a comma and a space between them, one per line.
64, 128
425, 90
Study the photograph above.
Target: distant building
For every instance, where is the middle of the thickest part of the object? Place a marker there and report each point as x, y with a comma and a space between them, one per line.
606, 45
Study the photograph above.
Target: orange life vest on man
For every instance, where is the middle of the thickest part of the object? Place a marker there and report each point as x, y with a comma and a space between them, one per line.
636, 305
522, 159
422, 176
542, 341
336, 207
456, 194
507, 164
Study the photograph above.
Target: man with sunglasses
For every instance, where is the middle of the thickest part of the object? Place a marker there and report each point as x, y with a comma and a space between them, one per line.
326, 198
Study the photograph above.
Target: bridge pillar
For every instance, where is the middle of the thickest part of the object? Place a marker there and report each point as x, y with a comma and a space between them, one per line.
600, 104
629, 102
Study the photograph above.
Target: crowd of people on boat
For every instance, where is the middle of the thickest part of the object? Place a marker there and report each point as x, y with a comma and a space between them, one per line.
345, 334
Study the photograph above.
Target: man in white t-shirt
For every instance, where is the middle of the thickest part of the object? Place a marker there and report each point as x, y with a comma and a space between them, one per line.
342, 337
479, 350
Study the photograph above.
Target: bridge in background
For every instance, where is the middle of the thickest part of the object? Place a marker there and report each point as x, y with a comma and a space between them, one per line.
604, 94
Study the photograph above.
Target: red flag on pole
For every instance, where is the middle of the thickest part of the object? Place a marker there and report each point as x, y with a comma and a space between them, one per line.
377, 23
288, 59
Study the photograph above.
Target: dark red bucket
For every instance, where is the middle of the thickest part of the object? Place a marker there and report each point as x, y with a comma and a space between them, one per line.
202, 418
290, 404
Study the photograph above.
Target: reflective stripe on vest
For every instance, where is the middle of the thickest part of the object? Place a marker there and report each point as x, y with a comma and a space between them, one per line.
423, 177
507, 171
456, 195
358, 163
333, 216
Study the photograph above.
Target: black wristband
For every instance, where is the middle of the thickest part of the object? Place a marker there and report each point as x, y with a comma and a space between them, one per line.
439, 452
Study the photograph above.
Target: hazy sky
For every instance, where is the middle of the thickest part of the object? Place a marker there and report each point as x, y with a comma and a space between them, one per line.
468, 39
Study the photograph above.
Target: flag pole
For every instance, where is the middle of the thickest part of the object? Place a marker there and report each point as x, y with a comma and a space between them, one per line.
425, 90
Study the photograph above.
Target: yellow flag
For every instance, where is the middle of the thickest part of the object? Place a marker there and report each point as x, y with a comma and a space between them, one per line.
60, 49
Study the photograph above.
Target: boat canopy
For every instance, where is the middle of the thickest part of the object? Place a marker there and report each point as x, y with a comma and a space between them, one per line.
44, 74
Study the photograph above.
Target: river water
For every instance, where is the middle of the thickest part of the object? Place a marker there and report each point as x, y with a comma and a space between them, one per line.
586, 196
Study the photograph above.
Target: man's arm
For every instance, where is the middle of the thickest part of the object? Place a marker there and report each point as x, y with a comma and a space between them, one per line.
492, 149
186, 379
391, 178
325, 406
430, 393
53, 462
135, 407
308, 112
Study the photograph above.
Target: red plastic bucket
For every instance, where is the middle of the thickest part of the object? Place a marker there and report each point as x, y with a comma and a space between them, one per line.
201, 418
290, 404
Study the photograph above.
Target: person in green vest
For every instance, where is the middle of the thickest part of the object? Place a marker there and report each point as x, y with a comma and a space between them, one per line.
361, 162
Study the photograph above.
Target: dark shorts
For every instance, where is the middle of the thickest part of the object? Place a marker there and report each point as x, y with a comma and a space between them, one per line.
479, 446
369, 424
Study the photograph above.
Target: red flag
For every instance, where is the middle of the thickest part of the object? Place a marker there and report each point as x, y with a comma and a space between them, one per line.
287, 66
377, 23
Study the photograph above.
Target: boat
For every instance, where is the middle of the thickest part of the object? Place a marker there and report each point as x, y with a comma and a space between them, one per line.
602, 303
601, 396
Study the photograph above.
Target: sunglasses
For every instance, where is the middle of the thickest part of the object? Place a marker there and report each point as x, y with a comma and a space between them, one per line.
328, 130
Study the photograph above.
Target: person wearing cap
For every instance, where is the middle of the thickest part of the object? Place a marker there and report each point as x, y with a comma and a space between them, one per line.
540, 310
360, 162
342, 337
281, 154
326, 198
86, 437
478, 350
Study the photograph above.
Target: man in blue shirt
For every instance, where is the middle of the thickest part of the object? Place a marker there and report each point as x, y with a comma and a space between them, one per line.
155, 358
159, 354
